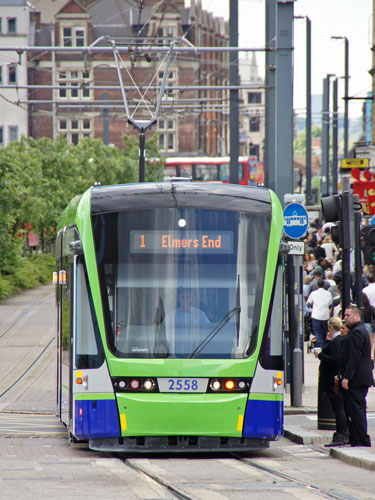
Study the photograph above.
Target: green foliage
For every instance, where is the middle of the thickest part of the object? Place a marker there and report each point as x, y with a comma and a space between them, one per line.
299, 143
30, 272
7, 287
38, 178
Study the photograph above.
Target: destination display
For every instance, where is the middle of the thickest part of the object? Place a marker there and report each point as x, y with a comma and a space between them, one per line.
218, 242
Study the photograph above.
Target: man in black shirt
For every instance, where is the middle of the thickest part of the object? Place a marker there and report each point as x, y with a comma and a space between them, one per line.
356, 376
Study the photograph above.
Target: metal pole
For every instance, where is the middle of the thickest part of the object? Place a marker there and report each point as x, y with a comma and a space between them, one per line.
106, 121
357, 254
294, 338
125, 48
53, 83
335, 141
142, 147
284, 98
346, 208
309, 200
234, 101
325, 138
346, 109
269, 141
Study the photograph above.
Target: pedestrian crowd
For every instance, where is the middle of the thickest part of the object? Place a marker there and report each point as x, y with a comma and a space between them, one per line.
342, 340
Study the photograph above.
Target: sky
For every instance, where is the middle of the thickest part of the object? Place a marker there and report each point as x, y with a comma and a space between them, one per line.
347, 18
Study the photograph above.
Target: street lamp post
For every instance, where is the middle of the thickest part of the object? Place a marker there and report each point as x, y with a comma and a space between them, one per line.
309, 200
346, 93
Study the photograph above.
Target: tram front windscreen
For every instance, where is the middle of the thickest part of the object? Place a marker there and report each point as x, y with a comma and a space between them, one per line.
181, 282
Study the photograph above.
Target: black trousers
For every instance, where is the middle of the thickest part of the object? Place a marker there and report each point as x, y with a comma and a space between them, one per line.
355, 410
337, 404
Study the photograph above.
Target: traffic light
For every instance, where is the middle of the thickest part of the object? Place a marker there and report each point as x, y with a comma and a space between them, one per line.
332, 208
333, 212
369, 249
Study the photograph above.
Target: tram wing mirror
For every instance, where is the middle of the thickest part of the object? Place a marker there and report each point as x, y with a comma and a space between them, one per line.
76, 247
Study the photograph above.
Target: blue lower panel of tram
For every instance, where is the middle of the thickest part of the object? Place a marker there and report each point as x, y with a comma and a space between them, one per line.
263, 419
96, 419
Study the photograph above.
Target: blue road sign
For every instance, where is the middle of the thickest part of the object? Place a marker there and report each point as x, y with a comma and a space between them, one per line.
295, 221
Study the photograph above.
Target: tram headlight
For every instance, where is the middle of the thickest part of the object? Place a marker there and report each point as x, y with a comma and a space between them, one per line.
215, 385
241, 384
148, 385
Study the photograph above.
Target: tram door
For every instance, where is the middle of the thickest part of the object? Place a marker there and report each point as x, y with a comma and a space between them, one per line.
65, 327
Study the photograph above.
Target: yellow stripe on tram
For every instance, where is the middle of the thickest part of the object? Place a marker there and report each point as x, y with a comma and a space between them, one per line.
123, 422
240, 423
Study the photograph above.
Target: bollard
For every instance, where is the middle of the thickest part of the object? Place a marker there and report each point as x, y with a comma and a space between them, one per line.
326, 415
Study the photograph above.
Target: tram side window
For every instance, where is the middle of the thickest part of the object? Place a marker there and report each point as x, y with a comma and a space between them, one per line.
65, 311
89, 351
271, 351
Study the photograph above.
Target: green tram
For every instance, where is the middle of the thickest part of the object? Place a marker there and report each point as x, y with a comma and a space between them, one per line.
170, 317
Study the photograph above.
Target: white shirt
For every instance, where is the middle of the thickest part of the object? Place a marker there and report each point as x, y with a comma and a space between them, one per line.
369, 290
320, 300
330, 249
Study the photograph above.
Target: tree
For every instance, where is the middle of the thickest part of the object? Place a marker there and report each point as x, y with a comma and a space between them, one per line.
38, 178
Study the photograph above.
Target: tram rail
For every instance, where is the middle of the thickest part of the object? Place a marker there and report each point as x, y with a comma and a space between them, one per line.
272, 473
24, 344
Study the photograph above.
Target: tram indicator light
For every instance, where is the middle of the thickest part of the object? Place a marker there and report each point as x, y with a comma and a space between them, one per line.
229, 385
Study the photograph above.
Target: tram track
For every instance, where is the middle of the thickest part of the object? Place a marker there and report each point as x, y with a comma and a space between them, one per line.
23, 314
269, 472
327, 493
27, 370
24, 342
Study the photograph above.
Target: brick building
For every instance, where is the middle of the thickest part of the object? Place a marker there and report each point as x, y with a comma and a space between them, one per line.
14, 31
82, 108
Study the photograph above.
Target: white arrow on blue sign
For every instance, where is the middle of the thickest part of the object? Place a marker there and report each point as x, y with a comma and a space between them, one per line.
296, 221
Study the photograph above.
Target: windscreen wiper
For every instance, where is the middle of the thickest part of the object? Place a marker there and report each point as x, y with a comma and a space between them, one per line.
235, 310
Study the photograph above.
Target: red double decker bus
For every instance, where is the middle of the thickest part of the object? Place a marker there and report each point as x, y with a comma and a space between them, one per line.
208, 168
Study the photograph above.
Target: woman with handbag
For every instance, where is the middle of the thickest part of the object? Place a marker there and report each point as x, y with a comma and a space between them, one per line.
330, 356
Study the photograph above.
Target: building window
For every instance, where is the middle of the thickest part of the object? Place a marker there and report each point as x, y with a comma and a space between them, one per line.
254, 98
75, 139
166, 32
12, 74
170, 82
67, 37
74, 129
73, 37
13, 134
12, 25
1, 136
62, 91
79, 37
77, 80
167, 134
74, 91
254, 124
254, 150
